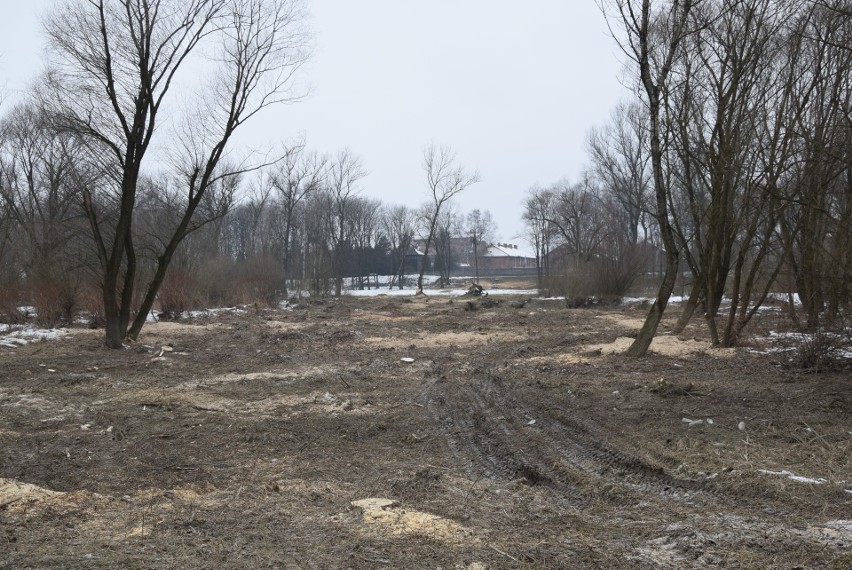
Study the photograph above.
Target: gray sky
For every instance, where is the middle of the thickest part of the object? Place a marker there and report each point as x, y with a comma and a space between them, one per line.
512, 86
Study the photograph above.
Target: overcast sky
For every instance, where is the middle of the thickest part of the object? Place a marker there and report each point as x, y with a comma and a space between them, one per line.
512, 86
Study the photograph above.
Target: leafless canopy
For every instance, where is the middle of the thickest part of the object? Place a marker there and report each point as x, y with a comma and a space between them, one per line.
115, 63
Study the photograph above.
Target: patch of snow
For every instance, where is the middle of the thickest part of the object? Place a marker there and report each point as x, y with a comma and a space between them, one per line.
432, 292
211, 312
794, 477
26, 335
635, 300
784, 298
840, 524
790, 341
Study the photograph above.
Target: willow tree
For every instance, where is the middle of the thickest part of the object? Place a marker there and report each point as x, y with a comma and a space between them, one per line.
116, 65
652, 37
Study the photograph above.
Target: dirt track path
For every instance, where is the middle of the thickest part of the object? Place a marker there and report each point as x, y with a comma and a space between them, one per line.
510, 442
495, 434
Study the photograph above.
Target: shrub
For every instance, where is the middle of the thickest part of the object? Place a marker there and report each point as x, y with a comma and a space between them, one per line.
90, 301
821, 351
10, 300
257, 282
178, 293
598, 281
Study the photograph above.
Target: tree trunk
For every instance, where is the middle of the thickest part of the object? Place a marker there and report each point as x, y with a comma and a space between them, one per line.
689, 308
150, 295
654, 86
114, 335
426, 253
655, 315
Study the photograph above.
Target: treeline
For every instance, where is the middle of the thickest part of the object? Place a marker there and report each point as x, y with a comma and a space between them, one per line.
734, 162
298, 225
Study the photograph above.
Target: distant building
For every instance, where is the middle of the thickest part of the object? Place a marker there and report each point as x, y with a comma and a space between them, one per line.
506, 256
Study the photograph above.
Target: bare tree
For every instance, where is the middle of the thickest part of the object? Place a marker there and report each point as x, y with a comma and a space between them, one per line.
577, 215
317, 228
445, 180
398, 224
619, 159
295, 178
654, 33
363, 221
816, 226
480, 228
538, 210
345, 173
40, 174
448, 226
120, 60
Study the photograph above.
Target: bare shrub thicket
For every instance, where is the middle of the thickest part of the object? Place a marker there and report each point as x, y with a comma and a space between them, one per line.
256, 281
54, 304
822, 350
179, 293
10, 301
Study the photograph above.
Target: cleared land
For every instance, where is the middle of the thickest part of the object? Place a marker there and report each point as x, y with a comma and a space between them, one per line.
511, 436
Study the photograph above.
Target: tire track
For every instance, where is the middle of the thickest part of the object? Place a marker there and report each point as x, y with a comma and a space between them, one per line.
487, 424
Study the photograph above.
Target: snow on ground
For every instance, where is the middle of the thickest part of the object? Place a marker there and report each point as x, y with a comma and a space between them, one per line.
779, 342
211, 312
793, 477
779, 297
13, 337
433, 292
636, 300
782, 297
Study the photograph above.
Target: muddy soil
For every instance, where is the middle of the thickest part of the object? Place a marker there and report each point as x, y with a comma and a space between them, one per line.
419, 433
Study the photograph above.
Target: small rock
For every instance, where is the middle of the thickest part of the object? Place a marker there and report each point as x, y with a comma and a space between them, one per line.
741, 426
407, 360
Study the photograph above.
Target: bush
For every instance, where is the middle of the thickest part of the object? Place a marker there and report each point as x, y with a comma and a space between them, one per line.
90, 301
178, 293
822, 351
257, 282
10, 300
54, 303
598, 281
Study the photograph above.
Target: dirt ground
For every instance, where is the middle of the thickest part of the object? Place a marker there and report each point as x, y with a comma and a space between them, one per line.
419, 433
